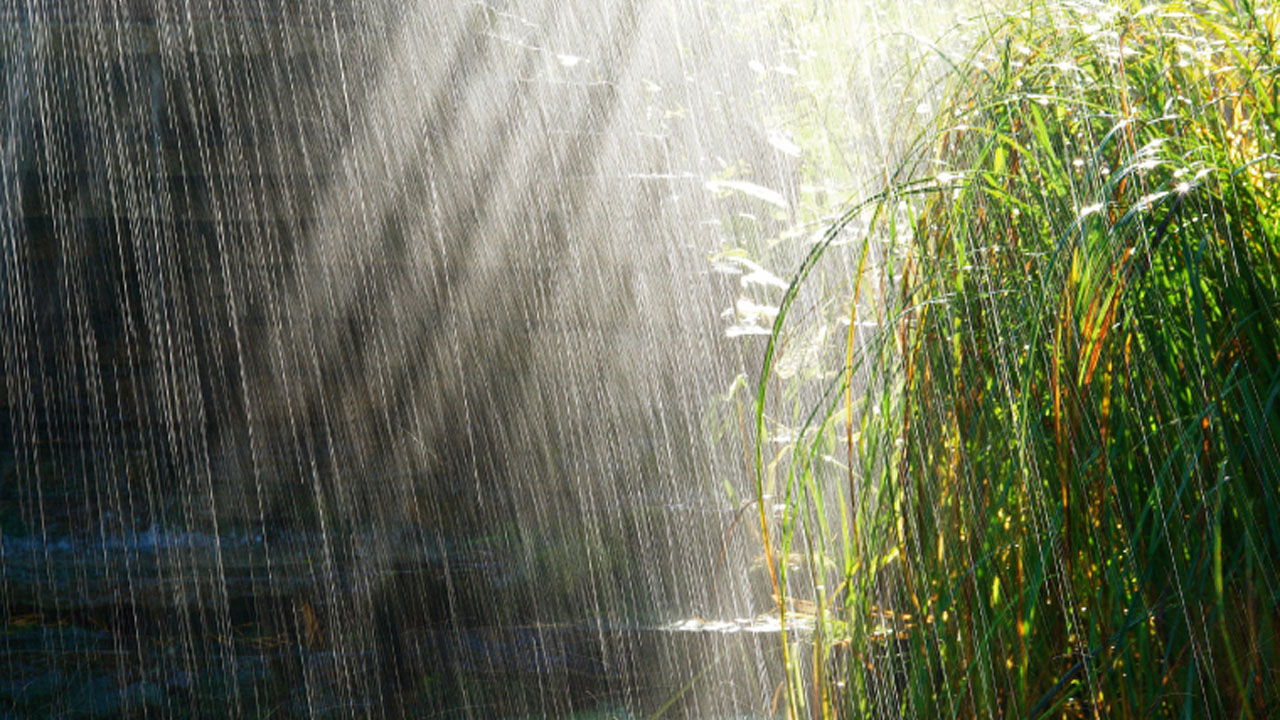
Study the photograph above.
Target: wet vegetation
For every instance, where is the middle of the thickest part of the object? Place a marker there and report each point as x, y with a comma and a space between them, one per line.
1038, 478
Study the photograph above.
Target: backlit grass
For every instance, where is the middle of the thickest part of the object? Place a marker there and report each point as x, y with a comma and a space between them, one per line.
1042, 476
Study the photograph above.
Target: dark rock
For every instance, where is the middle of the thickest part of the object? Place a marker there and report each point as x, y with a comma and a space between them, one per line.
99, 697
144, 694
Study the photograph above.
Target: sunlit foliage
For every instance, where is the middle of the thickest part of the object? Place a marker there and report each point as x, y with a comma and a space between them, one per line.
1060, 411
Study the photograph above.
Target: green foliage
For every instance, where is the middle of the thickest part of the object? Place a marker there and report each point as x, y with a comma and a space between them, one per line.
1061, 424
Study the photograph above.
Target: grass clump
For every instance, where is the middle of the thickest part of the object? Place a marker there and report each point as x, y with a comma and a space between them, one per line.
1046, 480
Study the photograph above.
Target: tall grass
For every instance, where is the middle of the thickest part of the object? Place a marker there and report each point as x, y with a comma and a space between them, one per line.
1041, 478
